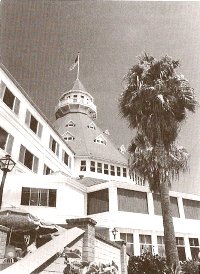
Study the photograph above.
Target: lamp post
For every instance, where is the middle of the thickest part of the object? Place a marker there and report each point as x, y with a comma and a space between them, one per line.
114, 232
6, 165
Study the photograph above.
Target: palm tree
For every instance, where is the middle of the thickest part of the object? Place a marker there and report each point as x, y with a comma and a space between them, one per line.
154, 101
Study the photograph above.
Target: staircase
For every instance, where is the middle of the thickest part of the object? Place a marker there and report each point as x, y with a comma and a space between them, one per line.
34, 260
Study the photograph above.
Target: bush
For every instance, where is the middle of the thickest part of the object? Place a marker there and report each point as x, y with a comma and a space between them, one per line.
190, 267
147, 264
154, 264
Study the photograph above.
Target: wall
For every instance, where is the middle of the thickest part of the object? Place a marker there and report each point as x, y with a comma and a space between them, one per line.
15, 125
70, 195
106, 253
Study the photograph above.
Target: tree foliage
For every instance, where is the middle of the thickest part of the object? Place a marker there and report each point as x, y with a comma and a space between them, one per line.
156, 98
155, 101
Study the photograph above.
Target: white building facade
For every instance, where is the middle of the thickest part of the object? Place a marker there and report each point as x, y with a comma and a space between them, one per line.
72, 169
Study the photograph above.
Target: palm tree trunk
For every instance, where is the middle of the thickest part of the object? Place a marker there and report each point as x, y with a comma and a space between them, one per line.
169, 234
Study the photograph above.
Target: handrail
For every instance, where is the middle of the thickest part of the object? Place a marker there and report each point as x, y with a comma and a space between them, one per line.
34, 260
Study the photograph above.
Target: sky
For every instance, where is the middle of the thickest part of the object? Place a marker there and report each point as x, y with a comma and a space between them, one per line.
40, 41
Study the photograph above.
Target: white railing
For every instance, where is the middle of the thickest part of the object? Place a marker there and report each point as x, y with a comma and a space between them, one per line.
76, 101
34, 260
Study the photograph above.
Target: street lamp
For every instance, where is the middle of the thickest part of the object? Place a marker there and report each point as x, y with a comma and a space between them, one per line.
6, 165
114, 232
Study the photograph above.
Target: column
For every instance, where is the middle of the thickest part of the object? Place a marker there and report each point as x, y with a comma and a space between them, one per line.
3, 238
150, 203
154, 243
87, 224
180, 207
113, 201
123, 256
136, 243
187, 248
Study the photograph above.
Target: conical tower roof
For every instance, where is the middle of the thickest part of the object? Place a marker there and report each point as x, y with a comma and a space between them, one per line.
75, 122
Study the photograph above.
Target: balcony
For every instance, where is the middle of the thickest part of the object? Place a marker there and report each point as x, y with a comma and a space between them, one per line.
76, 101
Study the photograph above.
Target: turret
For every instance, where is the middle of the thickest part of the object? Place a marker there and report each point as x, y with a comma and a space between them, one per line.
76, 100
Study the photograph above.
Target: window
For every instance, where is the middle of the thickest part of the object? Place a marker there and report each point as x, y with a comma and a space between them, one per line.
106, 169
6, 141
82, 99
91, 126
92, 166
161, 246
122, 149
145, 243
192, 209
181, 248
112, 170
132, 201
194, 247
157, 205
107, 132
98, 202
118, 171
124, 172
74, 98
54, 146
28, 159
99, 167
68, 136
47, 170
38, 197
83, 166
33, 124
65, 158
11, 101
128, 238
100, 140
70, 124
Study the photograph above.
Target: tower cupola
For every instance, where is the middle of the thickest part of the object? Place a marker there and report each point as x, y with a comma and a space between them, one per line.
76, 100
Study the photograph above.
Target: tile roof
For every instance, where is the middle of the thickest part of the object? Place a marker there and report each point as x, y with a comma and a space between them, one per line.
84, 144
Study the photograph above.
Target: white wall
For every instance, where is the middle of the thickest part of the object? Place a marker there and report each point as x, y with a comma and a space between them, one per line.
15, 125
70, 196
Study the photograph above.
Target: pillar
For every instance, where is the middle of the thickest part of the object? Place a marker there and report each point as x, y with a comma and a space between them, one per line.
87, 224
150, 203
113, 202
3, 239
123, 256
136, 240
187, 248
181, 208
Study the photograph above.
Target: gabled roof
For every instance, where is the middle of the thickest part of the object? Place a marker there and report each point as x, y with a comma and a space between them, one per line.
84, 144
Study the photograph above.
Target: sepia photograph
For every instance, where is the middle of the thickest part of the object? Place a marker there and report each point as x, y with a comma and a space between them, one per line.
99, 137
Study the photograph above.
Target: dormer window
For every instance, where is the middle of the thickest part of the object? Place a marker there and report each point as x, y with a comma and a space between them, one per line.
107, 132
122, 149
100, 140
92, 126
70, 124
68, 136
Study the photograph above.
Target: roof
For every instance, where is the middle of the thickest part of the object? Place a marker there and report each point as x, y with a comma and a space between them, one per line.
87, 181
84, 144
78, 86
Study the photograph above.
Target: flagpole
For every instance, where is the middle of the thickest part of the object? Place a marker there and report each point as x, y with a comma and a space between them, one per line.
77, 77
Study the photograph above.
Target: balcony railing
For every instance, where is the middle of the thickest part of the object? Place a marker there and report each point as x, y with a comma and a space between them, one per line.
77, 101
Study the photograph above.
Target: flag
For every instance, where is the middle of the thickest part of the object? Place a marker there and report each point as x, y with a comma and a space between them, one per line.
75, 63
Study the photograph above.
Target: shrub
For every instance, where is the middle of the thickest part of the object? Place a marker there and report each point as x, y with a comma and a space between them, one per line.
190, 267
154, 264
147, 264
